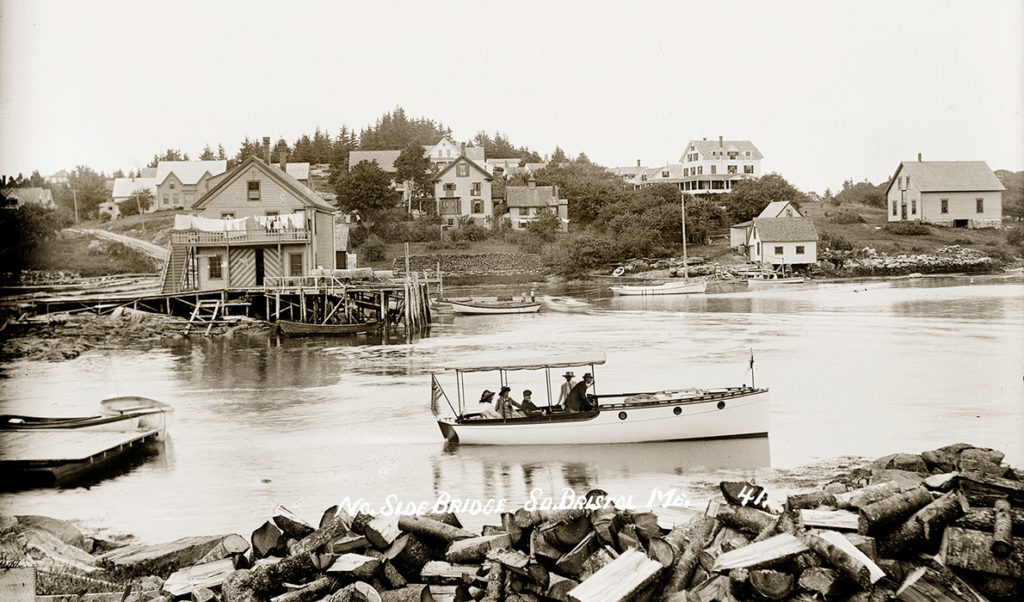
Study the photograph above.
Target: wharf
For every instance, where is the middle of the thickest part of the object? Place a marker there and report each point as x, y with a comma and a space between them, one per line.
53, 456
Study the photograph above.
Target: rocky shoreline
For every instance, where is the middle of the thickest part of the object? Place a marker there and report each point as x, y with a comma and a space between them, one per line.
945, 524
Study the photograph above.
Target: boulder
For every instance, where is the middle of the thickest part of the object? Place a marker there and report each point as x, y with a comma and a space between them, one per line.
158, 559
939, 460
45, 550
61, 529
909, 462
906, 479
981, 460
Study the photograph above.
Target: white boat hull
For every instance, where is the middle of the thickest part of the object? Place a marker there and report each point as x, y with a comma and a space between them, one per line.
739, 414
148, 414
483, 308
768, 282
669, 288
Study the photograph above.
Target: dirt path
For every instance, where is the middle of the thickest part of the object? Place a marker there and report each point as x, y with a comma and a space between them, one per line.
155, 251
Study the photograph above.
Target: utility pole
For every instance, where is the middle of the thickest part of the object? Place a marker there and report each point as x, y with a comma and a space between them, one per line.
74, 195
686, 270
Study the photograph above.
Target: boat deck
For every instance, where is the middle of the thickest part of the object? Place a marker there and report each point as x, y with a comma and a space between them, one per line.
55, 446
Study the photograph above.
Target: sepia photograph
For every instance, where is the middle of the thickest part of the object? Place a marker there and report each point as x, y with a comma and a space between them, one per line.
511, 302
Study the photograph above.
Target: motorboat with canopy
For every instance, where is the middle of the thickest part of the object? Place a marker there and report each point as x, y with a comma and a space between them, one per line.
669, 415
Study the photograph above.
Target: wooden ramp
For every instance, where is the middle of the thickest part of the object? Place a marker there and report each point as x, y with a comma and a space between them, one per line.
44, 446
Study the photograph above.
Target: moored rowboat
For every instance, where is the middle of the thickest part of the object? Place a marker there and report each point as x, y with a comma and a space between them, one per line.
683, 287
298, 329
495, 307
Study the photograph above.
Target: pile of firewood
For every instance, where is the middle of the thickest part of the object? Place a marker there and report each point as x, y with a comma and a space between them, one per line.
935, 526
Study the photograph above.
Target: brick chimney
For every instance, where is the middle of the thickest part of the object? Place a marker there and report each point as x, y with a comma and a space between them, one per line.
282, 159
638, 162
266, 149
532, 183
918, 157
720, 144
462, 149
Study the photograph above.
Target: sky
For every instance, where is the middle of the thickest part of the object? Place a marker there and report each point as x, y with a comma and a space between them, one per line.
828, 91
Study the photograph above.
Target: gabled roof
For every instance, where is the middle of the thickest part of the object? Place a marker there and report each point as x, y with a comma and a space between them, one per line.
538, 196
785, 229
486, 173
124, 187
30, 194
948, 176
188, 172
384, 159
777, 208
301, 192
707, 148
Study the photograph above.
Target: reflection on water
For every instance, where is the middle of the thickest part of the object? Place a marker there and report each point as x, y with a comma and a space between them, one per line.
864, 368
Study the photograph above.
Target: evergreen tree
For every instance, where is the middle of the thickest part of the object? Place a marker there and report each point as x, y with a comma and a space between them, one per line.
207, 154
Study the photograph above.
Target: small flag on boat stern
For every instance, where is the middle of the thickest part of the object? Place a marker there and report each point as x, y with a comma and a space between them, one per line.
435, 394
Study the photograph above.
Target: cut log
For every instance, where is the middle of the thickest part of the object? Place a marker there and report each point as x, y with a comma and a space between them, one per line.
710, 590
349, 543
867, 495
450, 593
508, 524
354, 566
355, 592
906, 539
743, 518
623, 579
597, 561
1002, 529
310, 592
984, 490
448, 518
735, 543
602, 520
811, 499
566, 535
156, 559
928, 585
410, 593
742, 493
660, 550
571, 563
512, 560
627, 538
409, 555
529, 518
540, 548
382, 531
824, 581
739, 583
475, 548
760, 554
865, 544
359, 522
972, 550
430, 528
774, 585
838, 520
438, 572
231, 545
681, 573
209, 574
268, 540
892, 509
291, 525
840, 557
559, 588
984, 519
392, 576
938, 513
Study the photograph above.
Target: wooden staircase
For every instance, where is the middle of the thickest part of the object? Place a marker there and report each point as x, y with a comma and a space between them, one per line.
205, 312
174, 268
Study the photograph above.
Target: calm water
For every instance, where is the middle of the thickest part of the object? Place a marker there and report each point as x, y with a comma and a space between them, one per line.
855, 369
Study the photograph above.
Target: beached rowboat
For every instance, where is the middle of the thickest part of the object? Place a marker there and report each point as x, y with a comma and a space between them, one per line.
495, 307
671, 415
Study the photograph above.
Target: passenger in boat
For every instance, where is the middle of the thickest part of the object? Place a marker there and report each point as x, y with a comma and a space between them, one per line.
505, 406
488, 412
578, 400
566, 387
527, 405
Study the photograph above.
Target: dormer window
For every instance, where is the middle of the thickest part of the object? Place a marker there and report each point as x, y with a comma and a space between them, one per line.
664, 174
462, 170
172, 185
254, 190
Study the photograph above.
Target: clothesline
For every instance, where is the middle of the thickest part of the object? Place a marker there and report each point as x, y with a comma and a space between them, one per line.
288, 221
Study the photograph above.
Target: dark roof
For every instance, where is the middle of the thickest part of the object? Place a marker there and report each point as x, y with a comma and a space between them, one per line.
538, 196
302, 192
948, 176
467, 160
785, 229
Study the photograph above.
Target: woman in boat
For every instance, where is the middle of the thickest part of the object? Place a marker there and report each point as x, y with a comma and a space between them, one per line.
490, 410
507, 407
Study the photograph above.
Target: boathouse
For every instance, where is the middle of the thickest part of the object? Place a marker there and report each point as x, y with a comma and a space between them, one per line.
783, 241
257, 222
739, 233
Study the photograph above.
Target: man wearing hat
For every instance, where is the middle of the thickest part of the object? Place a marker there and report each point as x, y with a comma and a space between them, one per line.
577, 400
566, 387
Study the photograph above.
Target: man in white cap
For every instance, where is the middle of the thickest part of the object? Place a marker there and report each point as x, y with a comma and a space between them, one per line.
566, 387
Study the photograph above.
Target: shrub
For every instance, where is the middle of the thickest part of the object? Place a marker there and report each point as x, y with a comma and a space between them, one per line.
545, 227
963, 242
372, 249
469, 230
907, 228
1015, 236
835, 242
845, 217
446, 245
357, 236
575, 257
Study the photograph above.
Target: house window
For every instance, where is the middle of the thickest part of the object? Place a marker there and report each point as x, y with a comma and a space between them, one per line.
979, 205
172, 185
748, 169
700, 170
732, 169
686, 171
462, 170
190, 198
778, 250
167, 199
943, 208
799, 249
664, 174
451, 221
295, 264
215, 271
475, 189
748, 153
714, 169
254, 190
913, 207
732, 155
449, 190
273, 213
175, 198
227, 215
894, 207
478, 206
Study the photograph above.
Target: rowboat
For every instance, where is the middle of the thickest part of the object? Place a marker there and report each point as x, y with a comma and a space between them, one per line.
564, 304
495, 307
39, 450
682, 287
772, 278
300, 329
669, 415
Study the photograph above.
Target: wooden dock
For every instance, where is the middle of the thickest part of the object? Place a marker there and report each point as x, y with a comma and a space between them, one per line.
54, 456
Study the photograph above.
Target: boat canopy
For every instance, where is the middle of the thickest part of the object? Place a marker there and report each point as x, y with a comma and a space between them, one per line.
530, 363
